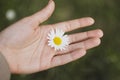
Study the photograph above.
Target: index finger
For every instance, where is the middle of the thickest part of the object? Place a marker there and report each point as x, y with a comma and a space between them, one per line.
74, 24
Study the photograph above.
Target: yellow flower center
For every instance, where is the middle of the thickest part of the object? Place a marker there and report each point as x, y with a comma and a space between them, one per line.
57, 40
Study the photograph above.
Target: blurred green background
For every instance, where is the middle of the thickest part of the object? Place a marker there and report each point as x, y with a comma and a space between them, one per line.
101, 63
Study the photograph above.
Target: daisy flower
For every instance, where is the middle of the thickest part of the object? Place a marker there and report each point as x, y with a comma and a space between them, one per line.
57, 39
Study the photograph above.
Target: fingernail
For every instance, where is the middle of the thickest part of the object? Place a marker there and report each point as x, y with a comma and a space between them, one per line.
100, 33
91, 20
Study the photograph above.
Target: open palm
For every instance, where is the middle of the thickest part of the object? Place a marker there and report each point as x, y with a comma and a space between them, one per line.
25, 45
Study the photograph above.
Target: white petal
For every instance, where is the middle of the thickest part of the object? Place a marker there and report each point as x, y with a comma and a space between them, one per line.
59, 33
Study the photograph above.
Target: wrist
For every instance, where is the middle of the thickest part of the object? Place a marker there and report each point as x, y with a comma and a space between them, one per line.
4, 68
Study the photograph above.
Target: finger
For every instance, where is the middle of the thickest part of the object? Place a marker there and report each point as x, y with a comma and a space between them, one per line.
45, 13
85, 35
74, 24
66, 58
87, 44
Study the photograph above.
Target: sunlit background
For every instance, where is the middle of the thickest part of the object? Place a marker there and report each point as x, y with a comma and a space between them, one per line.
101, 63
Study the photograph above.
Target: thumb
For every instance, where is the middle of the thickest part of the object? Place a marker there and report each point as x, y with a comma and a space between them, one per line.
45, 13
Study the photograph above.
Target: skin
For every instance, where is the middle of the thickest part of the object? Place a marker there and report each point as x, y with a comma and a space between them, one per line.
25, 45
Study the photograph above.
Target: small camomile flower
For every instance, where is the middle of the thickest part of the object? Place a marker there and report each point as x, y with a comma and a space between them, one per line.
57, 39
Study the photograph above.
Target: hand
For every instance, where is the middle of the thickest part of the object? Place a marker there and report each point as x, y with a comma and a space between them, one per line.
25, 45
